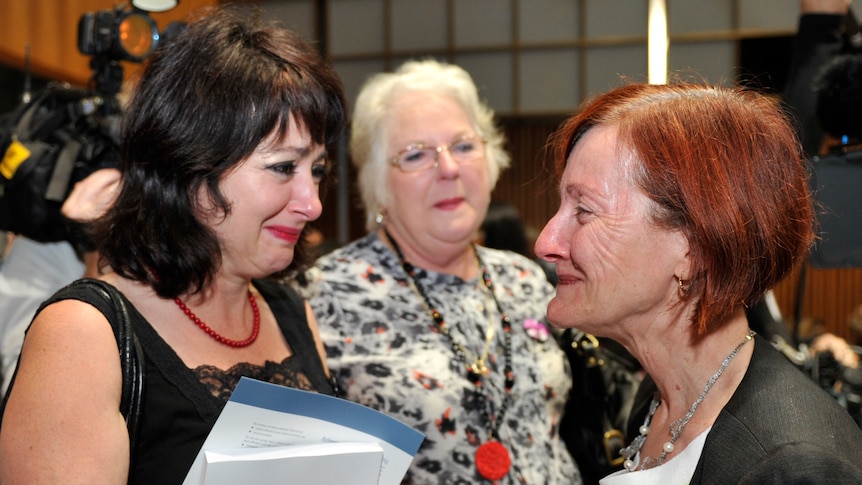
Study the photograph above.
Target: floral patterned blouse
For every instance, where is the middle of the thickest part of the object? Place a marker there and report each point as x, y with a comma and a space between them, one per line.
386, 352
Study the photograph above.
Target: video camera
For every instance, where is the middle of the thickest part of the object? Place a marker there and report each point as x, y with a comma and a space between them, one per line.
61, 134
841, 382
123, 35
120, 34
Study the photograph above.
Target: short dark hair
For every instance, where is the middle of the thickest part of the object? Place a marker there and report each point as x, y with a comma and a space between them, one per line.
503, 228
838, 88
204, 101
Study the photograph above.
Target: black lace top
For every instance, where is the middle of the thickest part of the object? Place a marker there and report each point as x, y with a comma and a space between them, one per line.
221, 383
180, 405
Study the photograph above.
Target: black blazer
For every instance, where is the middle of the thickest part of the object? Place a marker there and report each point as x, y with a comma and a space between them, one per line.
779, 427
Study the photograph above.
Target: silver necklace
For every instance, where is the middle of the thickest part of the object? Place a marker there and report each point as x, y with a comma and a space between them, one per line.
677, 426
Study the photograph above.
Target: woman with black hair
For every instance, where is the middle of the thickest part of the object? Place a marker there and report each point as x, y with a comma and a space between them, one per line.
225, 147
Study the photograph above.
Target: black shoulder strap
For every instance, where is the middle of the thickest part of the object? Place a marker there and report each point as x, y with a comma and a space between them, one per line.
131, 354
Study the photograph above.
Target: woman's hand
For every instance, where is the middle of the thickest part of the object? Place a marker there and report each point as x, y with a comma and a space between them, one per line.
92, 196
824, 6
841, 350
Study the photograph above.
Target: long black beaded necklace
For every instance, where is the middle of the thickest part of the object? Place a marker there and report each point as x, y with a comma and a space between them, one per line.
492, 458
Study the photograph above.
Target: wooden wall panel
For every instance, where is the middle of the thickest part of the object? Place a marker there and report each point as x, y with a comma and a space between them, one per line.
14, 31
51, 29
829, 296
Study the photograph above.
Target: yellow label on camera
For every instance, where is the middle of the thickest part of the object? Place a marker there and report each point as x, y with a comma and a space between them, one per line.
14, 157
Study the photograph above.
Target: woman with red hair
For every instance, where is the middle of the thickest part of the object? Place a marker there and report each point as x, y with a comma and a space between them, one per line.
681, 205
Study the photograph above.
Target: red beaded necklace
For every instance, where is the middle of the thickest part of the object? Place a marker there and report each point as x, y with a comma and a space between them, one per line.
212, 333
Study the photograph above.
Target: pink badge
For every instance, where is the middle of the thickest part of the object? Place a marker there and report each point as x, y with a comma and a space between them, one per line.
536, 329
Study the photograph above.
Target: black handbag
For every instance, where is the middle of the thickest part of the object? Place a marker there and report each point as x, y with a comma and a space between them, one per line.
605, 380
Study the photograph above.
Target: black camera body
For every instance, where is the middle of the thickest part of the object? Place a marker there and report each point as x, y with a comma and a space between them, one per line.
122, 35
841, 382
94, 32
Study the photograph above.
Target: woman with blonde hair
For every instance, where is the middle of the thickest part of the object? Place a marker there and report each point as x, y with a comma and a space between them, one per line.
417, 320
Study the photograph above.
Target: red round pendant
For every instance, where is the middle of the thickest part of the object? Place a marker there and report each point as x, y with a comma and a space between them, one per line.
492, 460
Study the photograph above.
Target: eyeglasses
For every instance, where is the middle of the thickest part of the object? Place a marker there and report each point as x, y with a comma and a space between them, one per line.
418, 157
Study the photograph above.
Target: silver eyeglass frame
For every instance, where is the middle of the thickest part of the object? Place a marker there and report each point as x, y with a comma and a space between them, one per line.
395, 160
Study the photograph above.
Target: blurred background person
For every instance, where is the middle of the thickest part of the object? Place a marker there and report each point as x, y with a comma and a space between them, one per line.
820, 39
651, 256
36, 270
417, 320
503, 228
31, 272
228, 184
824, 94
51, 251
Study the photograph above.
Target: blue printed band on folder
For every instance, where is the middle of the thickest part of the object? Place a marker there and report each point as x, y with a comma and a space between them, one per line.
332, 409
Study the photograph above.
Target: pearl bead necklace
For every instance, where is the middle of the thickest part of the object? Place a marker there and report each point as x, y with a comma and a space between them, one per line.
677, 426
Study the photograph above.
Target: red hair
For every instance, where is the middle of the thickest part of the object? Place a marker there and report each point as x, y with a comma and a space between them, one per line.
724, 167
